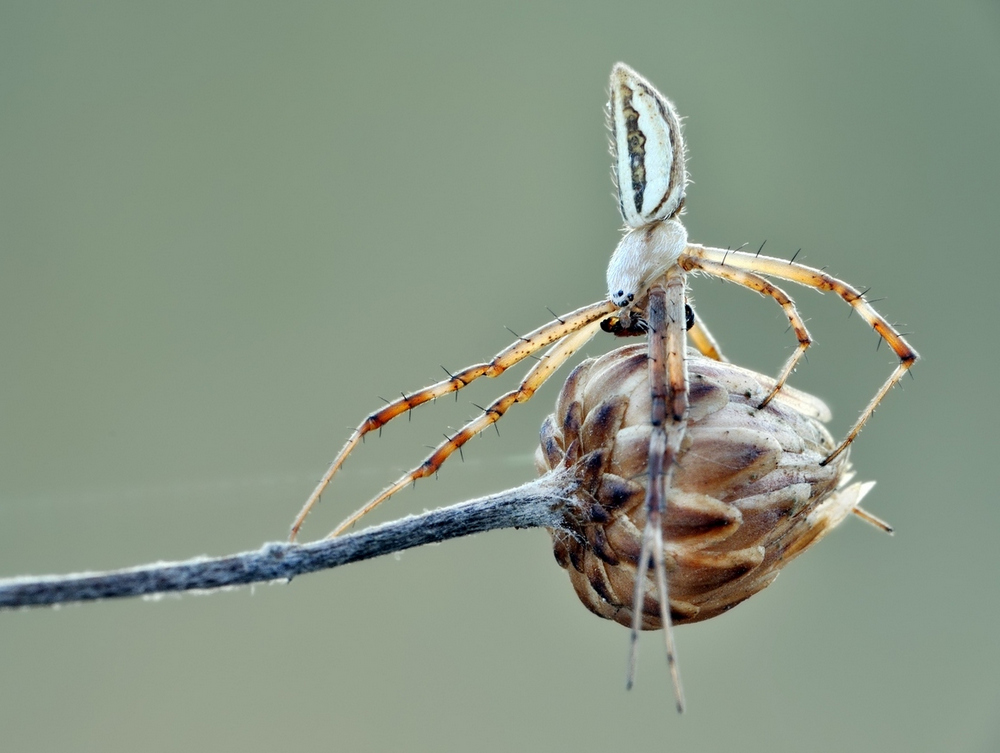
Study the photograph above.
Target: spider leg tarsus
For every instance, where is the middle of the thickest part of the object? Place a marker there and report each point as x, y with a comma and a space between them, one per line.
642, 568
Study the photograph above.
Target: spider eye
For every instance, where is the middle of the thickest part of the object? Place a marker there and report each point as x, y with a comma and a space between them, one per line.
620, 298
648, 147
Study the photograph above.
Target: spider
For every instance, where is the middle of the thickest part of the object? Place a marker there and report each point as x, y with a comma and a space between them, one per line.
646, 295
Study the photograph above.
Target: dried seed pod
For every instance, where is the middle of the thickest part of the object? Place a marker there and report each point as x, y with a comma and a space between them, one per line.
748, 493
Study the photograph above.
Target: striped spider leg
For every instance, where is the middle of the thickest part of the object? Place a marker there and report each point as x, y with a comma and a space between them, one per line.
702, 339
668, 382
566, 335
764, 287
722, 263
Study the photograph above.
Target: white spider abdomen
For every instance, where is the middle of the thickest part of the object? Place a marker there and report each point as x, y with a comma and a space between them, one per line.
642, 256
648, 148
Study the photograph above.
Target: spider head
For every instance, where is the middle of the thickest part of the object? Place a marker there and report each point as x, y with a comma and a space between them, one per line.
622, 300
643, 256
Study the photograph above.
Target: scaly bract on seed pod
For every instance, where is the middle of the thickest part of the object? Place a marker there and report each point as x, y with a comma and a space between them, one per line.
748, 492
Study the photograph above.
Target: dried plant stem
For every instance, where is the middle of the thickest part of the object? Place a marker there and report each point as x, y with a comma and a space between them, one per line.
540, 503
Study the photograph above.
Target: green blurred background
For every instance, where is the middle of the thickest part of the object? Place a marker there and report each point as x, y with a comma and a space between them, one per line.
226, 229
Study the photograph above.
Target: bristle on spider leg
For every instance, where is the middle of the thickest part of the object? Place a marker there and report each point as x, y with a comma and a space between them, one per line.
558, 318
495, 426
861, 296
453, 378
522, 339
